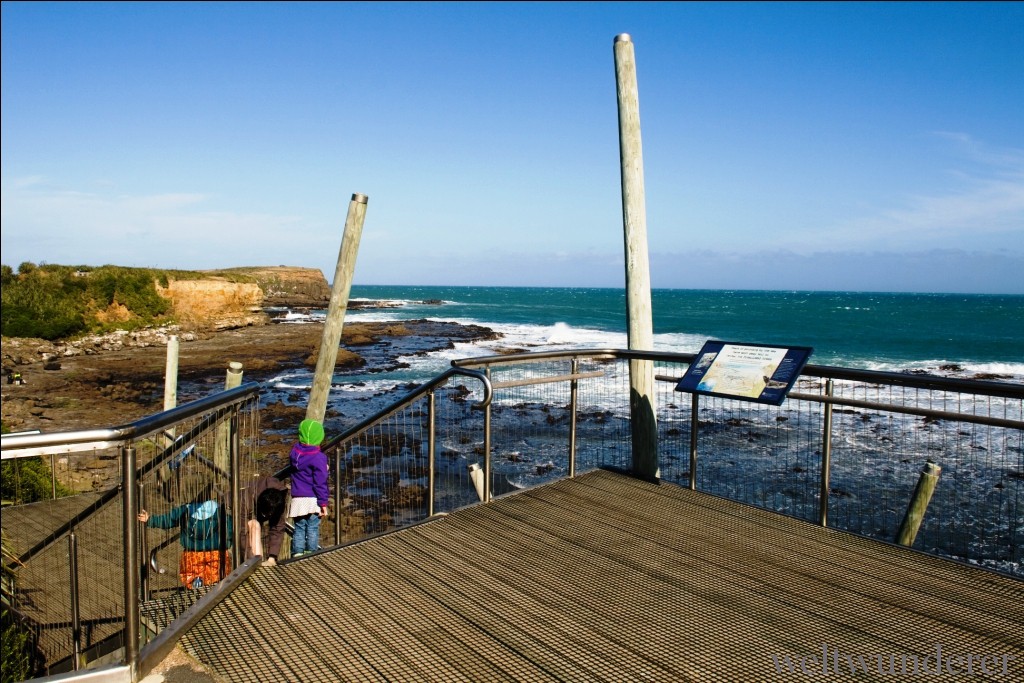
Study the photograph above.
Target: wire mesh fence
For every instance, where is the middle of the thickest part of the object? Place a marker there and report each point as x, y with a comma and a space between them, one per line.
65, 556
855, 469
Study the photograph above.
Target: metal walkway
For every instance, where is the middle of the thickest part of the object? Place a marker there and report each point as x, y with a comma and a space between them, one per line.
608, 578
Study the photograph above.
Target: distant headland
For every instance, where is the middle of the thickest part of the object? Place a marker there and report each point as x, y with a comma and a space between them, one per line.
53, 301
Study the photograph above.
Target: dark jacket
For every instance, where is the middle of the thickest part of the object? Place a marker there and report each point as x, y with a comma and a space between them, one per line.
277, 523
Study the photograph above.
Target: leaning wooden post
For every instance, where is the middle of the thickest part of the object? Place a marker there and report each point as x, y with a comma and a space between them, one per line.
640, 334
918, 504
340, 288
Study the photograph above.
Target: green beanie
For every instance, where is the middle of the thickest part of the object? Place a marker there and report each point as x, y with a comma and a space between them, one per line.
311, 433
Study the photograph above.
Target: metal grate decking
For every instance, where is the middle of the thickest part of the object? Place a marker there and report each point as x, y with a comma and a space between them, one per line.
608, 578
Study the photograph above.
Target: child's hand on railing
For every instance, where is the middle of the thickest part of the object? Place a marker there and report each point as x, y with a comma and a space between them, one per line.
143, 516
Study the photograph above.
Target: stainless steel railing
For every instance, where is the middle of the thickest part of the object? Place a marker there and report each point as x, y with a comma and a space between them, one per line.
71, 580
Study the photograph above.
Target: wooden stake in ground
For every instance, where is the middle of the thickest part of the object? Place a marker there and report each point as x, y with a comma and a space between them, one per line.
640, 328
340, 288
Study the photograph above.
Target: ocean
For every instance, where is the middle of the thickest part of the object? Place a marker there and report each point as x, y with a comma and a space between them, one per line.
980, 334
953, 335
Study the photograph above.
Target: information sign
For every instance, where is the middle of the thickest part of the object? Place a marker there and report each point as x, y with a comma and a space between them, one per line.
762, 373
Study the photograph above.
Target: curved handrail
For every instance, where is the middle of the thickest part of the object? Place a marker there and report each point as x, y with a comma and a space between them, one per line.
333, 442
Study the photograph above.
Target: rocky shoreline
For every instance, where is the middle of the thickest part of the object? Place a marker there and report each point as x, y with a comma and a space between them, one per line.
112, 380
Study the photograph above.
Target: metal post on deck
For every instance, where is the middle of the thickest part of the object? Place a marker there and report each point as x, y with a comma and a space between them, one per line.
644, 426
694, 424
144, 556
826, 456
337, 496
573, 400
239, 526
918, 504
486, 488
340, 288
431, 451
76, 618
129, 523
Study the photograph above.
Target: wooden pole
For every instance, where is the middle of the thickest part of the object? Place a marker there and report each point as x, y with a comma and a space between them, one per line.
170, 396
340, 289
222, 449
918, 504
234, 376
171, 374
639, 324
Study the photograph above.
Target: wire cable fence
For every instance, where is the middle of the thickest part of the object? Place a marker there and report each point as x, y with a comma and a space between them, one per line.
409, 461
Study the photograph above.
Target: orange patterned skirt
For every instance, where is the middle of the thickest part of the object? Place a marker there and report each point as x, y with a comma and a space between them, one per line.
200, 564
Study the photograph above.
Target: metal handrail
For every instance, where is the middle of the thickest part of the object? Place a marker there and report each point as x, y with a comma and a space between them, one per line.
916, 381
28, 445
422, 389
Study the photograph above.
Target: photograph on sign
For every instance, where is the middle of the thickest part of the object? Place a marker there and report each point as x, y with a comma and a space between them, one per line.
748, 372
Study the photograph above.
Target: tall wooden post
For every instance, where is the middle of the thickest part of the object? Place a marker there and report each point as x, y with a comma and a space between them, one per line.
640, 332
336, 309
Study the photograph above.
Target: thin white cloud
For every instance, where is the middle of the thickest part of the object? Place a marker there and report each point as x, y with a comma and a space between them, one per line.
986, 210
172, 230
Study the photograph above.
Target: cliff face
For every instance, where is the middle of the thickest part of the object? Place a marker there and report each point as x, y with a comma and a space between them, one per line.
215, 303
289, 286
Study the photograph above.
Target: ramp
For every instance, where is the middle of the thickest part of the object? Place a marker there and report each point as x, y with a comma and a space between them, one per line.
609, 578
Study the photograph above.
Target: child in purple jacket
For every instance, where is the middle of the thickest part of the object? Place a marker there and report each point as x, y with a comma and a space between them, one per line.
309, 487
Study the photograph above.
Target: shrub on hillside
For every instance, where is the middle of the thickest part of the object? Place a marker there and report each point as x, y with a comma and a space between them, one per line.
56, 302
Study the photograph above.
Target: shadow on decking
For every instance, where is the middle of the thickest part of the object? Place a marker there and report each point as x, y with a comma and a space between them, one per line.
605, 577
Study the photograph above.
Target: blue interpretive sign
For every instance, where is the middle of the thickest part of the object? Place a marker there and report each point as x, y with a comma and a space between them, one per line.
762, 373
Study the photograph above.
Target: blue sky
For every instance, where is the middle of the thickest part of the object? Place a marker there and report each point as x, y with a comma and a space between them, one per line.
863, 146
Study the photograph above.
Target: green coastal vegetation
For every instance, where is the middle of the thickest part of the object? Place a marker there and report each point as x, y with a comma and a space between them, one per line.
52, 302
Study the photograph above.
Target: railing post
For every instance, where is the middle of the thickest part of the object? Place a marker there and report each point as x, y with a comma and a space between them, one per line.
53, 476
76, 619
694, 424
144, 545
487, 448
337, 496
431, 451
826, 456
238, 526
129, 521
573, 400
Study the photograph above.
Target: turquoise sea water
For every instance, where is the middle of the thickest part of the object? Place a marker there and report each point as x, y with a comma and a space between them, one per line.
881, 331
